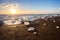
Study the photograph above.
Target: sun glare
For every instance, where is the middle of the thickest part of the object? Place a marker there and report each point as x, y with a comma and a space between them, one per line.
13, 11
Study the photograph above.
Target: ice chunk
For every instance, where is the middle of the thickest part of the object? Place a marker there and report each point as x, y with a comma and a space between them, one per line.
26, 23
57, 26
35, 33
31, 29
43, 17
44, 24
54, 21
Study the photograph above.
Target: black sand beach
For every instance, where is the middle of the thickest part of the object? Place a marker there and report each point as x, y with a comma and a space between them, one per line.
47, 29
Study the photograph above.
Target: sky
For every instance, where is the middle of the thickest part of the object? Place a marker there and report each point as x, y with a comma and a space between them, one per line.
30, 6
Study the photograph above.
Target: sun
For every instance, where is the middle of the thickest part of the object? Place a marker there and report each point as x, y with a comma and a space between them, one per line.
12, 11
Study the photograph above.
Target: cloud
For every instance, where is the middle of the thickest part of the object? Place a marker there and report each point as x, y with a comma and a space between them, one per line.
5, 5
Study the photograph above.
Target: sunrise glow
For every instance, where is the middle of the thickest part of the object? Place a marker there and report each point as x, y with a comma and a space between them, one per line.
12, 11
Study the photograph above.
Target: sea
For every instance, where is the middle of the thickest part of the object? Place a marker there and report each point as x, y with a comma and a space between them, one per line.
28, 16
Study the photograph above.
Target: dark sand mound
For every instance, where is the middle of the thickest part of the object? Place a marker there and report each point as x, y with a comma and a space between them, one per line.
46, 30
